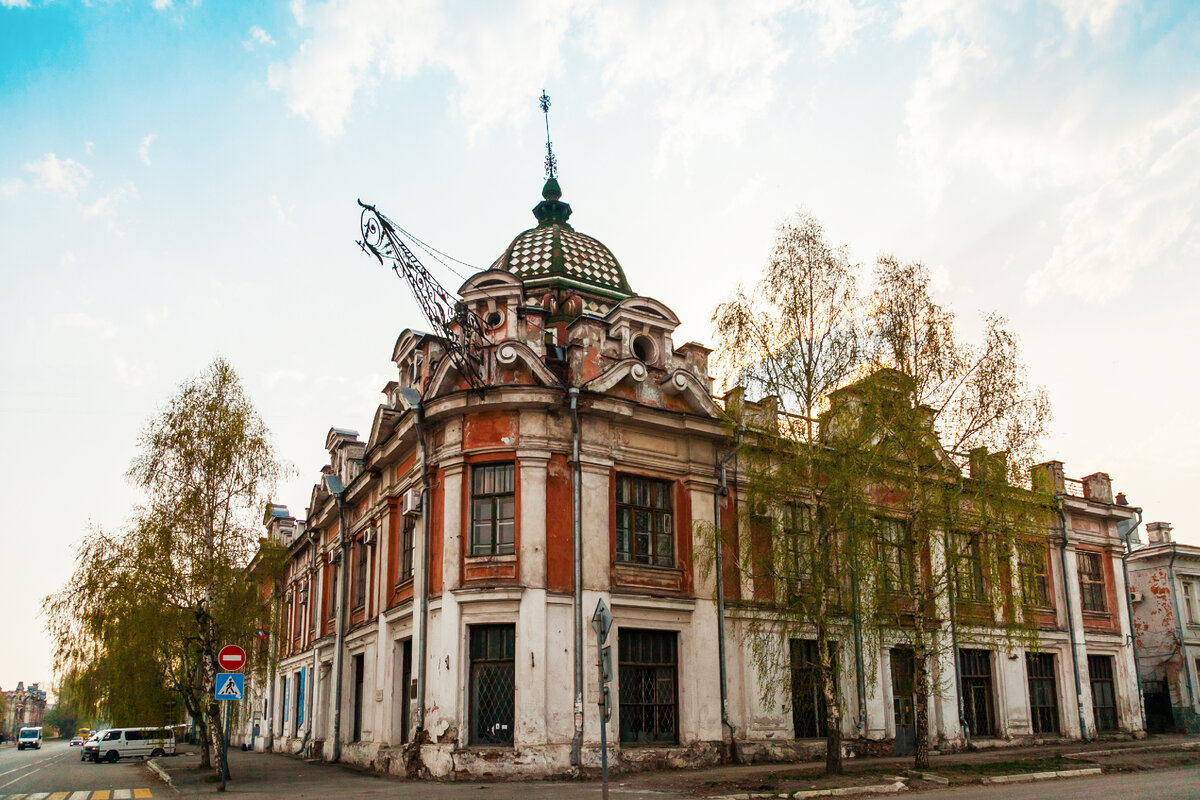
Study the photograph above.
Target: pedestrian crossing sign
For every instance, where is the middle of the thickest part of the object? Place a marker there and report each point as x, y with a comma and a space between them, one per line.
231, 685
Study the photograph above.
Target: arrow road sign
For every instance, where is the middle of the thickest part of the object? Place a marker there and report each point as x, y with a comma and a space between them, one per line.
231, 658
231, 685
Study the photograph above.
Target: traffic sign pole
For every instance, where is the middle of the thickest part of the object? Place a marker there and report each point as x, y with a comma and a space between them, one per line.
602, 620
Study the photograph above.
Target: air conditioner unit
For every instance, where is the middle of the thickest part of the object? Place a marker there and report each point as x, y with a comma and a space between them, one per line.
410, 503
369, 536
1135, 595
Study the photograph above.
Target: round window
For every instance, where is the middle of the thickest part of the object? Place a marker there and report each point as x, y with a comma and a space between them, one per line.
643, 348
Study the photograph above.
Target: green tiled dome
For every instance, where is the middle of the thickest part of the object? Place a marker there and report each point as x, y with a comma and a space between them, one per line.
555, 255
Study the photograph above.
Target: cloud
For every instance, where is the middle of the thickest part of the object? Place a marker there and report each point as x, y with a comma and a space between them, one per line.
62, 177
839, 21
83, 321
160, 5
89, 146
11, 188
715, 61
284, 214
14, 3
258, 36
105, 206
144, 148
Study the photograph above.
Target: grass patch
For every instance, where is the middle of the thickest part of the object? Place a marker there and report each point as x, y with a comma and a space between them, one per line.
989, 768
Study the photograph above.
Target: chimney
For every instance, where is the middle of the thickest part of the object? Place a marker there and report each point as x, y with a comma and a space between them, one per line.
1048, 477
1098, 487
1159, 532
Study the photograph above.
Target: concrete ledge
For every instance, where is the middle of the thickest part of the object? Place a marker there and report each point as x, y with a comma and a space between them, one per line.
152, 764
843, 791
1113, 751
1042, 776
928, 776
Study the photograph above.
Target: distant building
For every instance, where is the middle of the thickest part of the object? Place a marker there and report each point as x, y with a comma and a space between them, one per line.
1164, 577
439, 554
26, 708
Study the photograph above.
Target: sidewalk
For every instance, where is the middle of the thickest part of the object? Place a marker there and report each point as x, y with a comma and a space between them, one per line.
274, 775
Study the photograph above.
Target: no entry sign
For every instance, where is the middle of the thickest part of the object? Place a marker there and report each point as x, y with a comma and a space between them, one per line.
231, 658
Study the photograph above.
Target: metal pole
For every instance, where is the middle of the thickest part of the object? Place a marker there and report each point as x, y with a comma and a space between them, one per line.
577, 545
603, 721
225, 748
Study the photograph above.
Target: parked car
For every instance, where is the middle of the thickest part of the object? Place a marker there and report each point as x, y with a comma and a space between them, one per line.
29, 737
114, 744
89, 747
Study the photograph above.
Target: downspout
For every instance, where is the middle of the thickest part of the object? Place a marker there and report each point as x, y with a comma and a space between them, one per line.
723, 491
859, 668
1137, 662
962, 718
340, 626
577, 544
423, 639
272, 674
1187, 673
1062, 519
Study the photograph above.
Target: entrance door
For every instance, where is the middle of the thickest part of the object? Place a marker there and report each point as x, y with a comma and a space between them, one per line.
903, 703
405, 693
359, 667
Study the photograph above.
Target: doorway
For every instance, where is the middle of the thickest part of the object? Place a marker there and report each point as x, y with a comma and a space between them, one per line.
402, 692
359, 668
903, 702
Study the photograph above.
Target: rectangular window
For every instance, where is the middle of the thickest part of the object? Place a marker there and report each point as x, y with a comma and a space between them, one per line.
1091, 581
968, 567
492, 684
1035, 574
1104, 696
808, 698
976, 666
1043, 692
360, 574
647, 665
798, 524
407, 543
330, 603
645, 528
1189, 601
493, 509
895, 553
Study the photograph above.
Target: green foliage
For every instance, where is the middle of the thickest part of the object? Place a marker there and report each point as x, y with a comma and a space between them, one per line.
137, 628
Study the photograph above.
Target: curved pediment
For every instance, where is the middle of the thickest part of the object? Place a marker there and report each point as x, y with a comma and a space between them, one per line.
627, 369
694, 390
645, 309
511, 353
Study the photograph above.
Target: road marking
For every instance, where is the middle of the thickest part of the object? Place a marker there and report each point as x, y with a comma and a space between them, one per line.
121, 794
142, 793
58, 796
101, 794
83, 795
38, 796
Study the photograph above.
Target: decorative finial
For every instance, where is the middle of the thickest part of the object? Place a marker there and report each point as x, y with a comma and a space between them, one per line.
551, 162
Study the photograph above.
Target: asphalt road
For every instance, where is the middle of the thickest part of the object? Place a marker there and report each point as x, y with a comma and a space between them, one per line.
1179, 783
56, 773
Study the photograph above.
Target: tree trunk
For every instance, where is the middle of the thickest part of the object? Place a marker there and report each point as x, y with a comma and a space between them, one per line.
833, 721
217, 729
921, 709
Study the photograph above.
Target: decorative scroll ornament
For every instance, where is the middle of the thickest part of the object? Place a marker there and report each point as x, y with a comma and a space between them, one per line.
461, 328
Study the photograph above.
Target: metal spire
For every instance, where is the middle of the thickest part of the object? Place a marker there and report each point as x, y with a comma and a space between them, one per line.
551, 162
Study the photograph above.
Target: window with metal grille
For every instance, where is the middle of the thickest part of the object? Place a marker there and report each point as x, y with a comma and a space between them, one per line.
808, 698
1043, 692
1035, 574
1091, 582
976, 675
798, 525
407, 539
493, 684
493, 509
645, 529
647, 667
895, 551
1104, 695
968, 567
360, 574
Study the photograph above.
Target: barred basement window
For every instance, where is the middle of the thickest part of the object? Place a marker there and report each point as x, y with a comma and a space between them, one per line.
645, 531
1043, 692
407, 539
493, 509
1104, 696
1091, 582
493, 684
808, 698
647, 680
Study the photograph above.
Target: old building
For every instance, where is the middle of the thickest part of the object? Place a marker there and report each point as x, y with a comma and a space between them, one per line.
25, 707
1164, 578
458, 551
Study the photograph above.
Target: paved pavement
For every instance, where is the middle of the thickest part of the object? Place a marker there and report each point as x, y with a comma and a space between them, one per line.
1180, 783
55, 773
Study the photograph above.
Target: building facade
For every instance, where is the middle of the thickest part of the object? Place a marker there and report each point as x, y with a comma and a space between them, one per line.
1164, 577
432, 620
25, 708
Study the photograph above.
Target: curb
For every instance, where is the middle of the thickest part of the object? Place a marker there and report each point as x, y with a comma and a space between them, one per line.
161, 773
1085, 754
884, 788
1042, 776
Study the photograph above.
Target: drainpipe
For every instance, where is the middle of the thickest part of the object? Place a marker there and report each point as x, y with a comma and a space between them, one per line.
1062, 519
577, 543
1187, 673
340, 628
722, 491
962, 718
859, 668
414, 401
1127, 538
272, 673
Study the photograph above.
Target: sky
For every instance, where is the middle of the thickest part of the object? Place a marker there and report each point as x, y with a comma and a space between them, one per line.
178, 181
